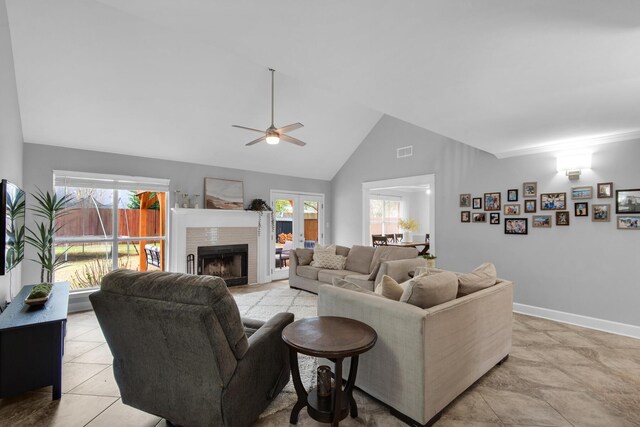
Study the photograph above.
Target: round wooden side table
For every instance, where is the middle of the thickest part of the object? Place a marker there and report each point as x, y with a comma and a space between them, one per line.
333, 338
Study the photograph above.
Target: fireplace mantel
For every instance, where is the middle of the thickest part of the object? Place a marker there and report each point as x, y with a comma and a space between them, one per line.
182, 219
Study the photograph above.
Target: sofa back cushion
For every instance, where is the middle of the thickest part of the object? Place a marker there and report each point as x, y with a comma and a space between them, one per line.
342, 250
389, 253
431, 289
482, 277
359, 259
305, 256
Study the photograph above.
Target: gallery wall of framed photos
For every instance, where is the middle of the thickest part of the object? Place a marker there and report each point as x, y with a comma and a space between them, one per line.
553, 208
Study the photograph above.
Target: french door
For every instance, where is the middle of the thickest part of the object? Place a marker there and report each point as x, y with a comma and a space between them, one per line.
299, 219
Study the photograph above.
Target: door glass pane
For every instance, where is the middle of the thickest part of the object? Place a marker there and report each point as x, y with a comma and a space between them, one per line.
89, 213
85, 263
284, 232
139, 214
311, 226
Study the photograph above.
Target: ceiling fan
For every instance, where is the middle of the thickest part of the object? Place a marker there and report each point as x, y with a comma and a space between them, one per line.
273, 135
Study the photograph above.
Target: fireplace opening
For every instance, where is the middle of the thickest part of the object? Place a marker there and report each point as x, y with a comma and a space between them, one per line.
229, 262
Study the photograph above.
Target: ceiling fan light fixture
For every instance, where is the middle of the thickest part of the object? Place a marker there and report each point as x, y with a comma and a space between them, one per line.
273, 139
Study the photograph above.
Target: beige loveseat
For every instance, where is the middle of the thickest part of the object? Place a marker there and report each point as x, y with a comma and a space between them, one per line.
425, 358
396, 262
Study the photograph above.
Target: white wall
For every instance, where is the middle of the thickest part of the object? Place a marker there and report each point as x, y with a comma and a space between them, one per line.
10, 132
588, 268
41, 160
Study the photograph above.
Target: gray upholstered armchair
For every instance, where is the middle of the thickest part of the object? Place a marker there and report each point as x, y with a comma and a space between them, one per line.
182, 352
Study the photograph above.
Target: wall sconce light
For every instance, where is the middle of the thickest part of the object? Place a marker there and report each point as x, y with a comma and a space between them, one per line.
572, 164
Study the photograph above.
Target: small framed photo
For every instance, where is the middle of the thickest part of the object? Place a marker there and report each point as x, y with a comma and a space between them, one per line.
494, 218
530, 189
512, 209
562, 218
581, 209
605, 190
491, 201
628, 201
465, 216
585, 192
477, 203
542, 221
628, 222
465, 200
516, 226
553, 201
512, 195
479, 217
530, 206
601, 213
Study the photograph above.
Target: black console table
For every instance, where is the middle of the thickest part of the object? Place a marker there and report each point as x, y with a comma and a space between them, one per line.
32, 343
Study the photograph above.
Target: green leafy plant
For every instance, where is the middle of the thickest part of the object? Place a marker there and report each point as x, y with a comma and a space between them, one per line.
40, 291
429, 256
15, 230
50, 208
260, 206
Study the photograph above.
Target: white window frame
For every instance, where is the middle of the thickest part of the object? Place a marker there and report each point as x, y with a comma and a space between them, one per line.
385, 198
115, 183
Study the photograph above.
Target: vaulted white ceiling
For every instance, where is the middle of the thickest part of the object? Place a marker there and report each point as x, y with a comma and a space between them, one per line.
167, 78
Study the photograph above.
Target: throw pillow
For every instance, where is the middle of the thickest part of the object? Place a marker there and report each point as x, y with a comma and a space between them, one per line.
431, 290
305, 256
482, 277
321, 250
345, 284
328, 261
359, 259
425, 271
389, 288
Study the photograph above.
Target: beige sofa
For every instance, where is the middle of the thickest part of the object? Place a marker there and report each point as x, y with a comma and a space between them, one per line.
424, 359
396, 262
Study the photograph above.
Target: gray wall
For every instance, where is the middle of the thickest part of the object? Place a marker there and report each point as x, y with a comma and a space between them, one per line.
10, 133
587, 268
41, 160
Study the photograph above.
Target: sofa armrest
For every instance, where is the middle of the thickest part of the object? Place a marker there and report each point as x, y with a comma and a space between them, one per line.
399, 270
400, 327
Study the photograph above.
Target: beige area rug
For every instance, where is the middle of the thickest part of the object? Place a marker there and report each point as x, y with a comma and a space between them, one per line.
264, 305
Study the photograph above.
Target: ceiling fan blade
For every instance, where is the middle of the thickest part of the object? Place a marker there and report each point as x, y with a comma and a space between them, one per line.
292, 140
244, 127
255, 141
289, 128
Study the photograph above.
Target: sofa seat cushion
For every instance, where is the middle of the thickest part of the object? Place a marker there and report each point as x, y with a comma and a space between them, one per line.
308, 272
359, 259
482, 277
345, 284
431, 289
361, 280
327, 276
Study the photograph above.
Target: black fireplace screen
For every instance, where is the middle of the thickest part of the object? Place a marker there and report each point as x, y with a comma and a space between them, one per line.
229, 262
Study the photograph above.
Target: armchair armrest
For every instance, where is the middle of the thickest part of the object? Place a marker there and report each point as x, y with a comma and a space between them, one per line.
263, 370
399, 269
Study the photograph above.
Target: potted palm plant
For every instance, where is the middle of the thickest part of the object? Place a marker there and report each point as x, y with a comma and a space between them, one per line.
50, 208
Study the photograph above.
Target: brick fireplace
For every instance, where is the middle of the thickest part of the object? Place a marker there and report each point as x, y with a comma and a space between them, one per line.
192, 229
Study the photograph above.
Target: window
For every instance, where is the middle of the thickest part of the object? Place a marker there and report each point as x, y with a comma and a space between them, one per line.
384, 213
110, 222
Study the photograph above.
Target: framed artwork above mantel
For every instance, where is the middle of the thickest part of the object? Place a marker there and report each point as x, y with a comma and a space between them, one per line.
223, 194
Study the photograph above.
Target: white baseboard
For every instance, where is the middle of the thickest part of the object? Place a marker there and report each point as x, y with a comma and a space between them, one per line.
579, 320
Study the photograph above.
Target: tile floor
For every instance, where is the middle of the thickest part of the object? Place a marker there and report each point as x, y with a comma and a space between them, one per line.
557, 375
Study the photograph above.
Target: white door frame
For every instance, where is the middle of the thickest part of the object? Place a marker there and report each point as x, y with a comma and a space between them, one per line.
298, 219
401, 182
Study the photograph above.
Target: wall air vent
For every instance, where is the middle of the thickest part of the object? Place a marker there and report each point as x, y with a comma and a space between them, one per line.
405, 151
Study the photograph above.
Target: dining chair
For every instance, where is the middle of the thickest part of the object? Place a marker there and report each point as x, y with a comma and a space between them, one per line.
379, 240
